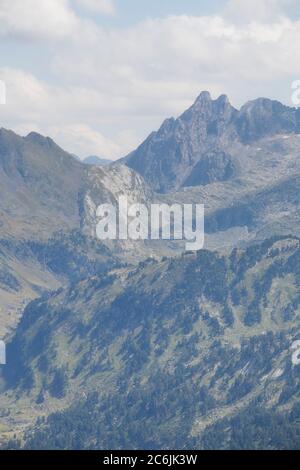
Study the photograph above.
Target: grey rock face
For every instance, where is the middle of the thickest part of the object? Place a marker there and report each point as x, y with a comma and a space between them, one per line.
215, 166
264, 117
195, 149
168, 157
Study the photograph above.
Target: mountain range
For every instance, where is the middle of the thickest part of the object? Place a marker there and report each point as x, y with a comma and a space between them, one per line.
125, 344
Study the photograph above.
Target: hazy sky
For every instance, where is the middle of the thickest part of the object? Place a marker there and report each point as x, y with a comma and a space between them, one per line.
99, 75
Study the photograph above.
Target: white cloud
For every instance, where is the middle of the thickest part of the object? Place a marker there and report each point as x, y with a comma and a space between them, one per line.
111, 87
258, 10
159, 65
107, 7
33, 105
33, 19
81, 140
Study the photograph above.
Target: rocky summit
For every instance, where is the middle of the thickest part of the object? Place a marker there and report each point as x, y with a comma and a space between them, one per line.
199, 147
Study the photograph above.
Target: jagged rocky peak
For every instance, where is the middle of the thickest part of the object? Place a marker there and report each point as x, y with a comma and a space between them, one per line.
223, 103
223, 100
201, 108
167, 157
204, 138
206, 108
203, 98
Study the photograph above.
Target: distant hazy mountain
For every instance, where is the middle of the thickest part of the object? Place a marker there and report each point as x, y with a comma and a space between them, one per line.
206, 143
94, 160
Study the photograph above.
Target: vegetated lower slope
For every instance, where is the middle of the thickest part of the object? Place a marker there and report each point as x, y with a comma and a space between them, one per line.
174, 354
